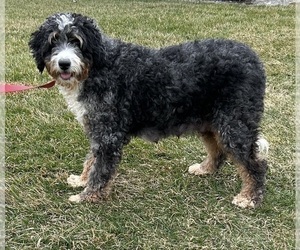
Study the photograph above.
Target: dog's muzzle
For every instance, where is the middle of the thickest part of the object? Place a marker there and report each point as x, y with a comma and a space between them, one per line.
64, 65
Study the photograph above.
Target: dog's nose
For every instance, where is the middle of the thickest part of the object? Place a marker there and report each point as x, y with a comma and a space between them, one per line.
64, 64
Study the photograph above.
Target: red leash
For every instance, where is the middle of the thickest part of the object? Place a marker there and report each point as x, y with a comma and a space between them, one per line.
7, 88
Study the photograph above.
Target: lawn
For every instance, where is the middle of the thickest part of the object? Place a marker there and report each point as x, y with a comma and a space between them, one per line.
155, 204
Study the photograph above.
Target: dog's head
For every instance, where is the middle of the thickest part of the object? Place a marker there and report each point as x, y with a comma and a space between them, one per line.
68, 45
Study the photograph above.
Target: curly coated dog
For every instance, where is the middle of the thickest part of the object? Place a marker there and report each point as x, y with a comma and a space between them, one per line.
214, 88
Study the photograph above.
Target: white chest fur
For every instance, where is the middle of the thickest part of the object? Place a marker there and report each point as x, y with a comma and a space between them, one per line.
71, 97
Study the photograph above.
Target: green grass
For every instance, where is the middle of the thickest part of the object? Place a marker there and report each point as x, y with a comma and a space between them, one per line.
155, 204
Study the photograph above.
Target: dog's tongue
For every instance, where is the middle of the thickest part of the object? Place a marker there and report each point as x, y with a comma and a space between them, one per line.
65, 76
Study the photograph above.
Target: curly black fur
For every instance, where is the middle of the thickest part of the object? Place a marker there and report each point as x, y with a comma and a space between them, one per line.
213, 87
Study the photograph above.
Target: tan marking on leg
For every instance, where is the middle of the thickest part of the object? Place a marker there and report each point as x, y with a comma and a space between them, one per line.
210, 164
81, 181
87, 165
249, 197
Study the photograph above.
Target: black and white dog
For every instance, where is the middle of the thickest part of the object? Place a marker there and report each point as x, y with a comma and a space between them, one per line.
214, 88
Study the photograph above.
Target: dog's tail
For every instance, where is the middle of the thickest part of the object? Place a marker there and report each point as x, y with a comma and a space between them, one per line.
262, 146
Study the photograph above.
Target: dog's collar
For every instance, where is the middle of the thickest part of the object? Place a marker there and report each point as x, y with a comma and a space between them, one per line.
16, 87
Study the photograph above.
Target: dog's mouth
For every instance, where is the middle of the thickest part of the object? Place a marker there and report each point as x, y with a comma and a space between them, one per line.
65, 76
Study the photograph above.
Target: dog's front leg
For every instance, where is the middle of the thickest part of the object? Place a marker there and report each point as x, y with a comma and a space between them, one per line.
107, 155
81, 180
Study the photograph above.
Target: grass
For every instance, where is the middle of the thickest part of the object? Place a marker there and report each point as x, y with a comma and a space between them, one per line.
155, 204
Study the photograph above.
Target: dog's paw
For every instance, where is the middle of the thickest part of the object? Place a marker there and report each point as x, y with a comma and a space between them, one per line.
75, 181
75, 198
87, 195
199, 169
243, 202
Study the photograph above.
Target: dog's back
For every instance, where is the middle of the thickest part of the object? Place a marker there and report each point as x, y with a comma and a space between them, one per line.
185, 87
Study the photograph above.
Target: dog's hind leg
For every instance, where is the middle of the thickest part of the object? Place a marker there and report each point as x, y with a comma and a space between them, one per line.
81, 180
252, 173
214, 159
242, 147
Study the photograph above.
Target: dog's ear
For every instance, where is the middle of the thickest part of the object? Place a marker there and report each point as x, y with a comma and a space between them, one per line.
36, 46
40, 46
93, 47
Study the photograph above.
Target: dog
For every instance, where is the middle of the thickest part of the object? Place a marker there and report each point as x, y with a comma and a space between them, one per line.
214, 88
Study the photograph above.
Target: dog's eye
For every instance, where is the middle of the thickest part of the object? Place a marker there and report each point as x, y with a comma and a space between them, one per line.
76, 40
53, 37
